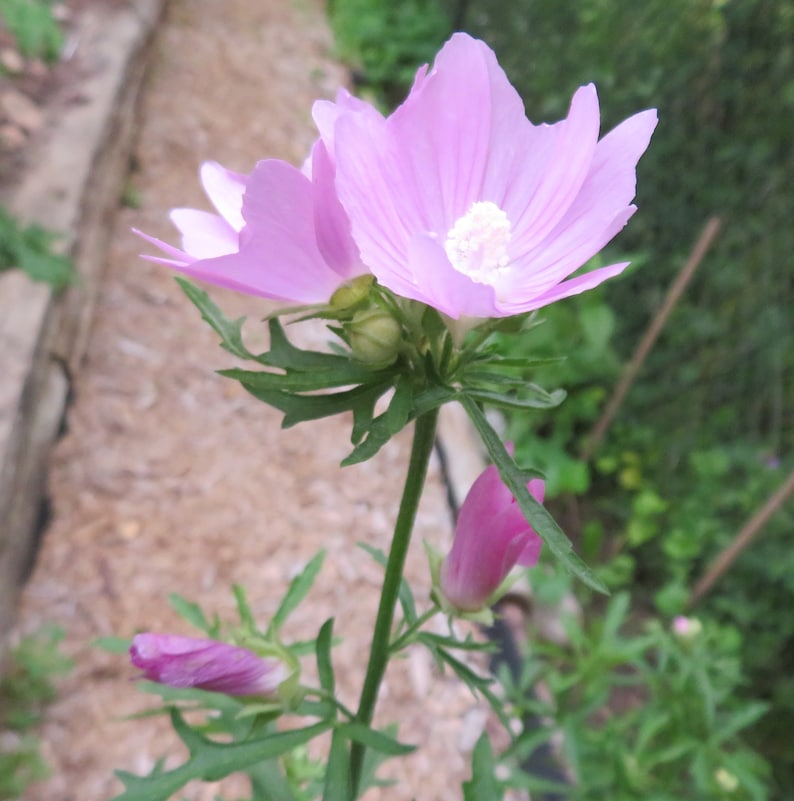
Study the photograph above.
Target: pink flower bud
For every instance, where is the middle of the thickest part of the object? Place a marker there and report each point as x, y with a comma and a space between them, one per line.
687, 628
491, 537
206, 665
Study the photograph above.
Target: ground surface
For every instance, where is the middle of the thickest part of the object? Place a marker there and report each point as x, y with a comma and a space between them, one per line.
171, 478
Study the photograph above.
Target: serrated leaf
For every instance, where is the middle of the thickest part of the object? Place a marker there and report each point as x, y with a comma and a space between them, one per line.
483, 785
536, 514
295, 381
284, 354
298, 408
297, 591
325, 668
399, 410
230, 331
212, 761
376, 740
377, 436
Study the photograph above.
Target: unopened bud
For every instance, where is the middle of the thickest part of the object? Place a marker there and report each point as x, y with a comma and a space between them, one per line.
374, 337
687, 629
208, 665
726, 780
352, 292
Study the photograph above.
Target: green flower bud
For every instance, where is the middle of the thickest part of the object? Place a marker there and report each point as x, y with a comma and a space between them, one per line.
352, 292
374, 337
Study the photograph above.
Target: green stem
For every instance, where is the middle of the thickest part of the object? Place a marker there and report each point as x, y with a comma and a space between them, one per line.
424, 436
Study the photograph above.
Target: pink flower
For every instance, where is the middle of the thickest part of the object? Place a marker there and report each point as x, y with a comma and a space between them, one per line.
491, 537
206, 665
457, 200
282, 232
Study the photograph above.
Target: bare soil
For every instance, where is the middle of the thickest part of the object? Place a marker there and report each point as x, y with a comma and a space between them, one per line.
172, 479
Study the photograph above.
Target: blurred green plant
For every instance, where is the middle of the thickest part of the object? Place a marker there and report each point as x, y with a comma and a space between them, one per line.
34, 28
385, 43
25, 690
30, 249
645, 714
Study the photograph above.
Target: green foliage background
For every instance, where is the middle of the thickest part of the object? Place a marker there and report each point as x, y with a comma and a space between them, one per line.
706, 434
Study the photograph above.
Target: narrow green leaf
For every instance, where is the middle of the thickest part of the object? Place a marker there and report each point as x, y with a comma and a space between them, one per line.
325, 668
230, 331
540, 399
405, 594
483, 785
297, 591
376, 740
113, 645
432, 398
615, 615
268, 782
191, 612
535, 513
244, 608
337, 770
741, 719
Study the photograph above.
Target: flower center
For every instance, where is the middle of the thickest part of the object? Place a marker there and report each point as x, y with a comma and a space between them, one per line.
477, 243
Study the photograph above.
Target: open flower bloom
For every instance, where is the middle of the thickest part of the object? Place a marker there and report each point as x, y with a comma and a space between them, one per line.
457, 200
281, 232
206, 665
492, 536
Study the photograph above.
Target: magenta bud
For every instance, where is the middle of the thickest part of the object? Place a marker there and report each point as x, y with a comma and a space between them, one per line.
491, 537
206, 665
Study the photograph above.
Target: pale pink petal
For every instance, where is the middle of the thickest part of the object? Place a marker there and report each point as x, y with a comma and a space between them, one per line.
332, 227
600, 211
326, 113
204, 235
572, 286
225, 189
567, 165
442, 286
278, 257
369, 179
443, 131
179, 257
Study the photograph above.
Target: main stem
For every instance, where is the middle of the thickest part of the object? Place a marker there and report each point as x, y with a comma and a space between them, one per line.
422, 447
